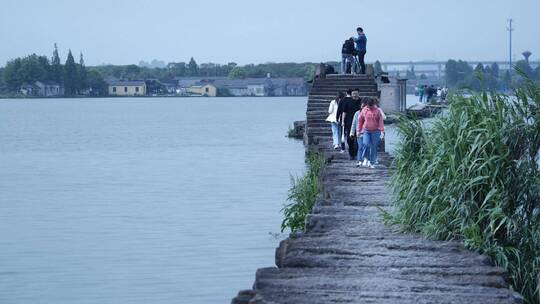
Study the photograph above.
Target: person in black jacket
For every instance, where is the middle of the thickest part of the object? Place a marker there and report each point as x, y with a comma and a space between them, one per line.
349, 107
339, 116
347, 56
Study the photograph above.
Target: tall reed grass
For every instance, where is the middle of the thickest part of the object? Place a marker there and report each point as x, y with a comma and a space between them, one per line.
302, 194
474, 176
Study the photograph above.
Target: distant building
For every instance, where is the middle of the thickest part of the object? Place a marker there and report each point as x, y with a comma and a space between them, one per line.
42, 89
171, 88
127, 88
203, 90
28, 90
49, 88
243, 87
263, 86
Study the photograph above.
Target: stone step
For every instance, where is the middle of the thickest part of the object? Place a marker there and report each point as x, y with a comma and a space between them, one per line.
334, 88
402, 280
416, 296
328, 96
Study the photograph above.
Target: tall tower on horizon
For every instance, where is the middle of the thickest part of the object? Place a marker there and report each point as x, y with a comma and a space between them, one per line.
510, 29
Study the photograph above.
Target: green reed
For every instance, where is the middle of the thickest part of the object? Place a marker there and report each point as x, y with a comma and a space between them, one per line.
474, 176
302, 194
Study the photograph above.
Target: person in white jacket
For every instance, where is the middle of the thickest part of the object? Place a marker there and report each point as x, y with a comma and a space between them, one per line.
332, 118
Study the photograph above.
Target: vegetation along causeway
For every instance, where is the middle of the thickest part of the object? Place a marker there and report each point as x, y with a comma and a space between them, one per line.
474, 176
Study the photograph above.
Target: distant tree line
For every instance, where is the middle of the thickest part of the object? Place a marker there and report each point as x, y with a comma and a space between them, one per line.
78, 79
75, 77
460, 74
193, 69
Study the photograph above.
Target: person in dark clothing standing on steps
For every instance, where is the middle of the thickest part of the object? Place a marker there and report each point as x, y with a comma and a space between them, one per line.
350, 106
361, 48
339, 117
347, 56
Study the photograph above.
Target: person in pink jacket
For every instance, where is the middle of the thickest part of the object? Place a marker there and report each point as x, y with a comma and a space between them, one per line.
371, 128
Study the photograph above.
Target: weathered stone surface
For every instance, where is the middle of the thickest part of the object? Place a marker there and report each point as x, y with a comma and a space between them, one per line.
348, 255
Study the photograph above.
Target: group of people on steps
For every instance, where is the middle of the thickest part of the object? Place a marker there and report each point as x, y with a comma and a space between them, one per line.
358, 123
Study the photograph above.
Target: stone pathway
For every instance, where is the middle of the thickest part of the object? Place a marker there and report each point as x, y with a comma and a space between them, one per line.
348, 255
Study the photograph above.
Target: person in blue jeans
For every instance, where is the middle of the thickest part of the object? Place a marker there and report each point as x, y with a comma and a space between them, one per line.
361, 48
354, 126
371, 128
332, 119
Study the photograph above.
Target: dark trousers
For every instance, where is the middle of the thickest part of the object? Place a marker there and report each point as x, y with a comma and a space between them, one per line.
351, 142
361, 55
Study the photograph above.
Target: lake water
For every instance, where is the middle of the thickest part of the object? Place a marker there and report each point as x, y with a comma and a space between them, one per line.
141, 200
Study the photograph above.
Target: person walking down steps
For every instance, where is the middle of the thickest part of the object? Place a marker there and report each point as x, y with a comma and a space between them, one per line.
354, 126
350, 106
341, 105
332, 118
371, 127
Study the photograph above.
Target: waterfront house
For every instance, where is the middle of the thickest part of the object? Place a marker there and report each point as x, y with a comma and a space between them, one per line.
247, 86
127, 88
49, 88
28, 90
42, 89
295, 87
203, 89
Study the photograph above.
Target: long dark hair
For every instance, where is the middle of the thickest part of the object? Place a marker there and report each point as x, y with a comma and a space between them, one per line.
340, 95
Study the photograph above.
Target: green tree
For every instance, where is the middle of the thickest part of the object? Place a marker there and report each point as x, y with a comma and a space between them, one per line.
495, 70
525, 67
56, 67
506, 80
177, 69
132, 71
2, 81
193, 68
12, 77
96, 84
410, 73
26, 70
309, 72
70, 76
491, 77
457, 72
237, 72
83, 75
479, 68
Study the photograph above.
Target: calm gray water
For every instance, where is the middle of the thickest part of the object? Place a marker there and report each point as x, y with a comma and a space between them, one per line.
141, 200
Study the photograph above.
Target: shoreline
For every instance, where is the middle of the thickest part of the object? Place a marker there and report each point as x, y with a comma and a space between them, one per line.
160, 96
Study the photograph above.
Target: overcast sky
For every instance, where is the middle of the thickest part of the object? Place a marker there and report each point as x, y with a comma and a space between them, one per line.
251, 31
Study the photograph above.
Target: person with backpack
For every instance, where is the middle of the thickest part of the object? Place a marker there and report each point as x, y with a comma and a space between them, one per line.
347, 56
371, 127
361, 48
332, 118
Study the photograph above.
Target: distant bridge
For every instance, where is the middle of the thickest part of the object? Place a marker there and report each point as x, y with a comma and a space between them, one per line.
435, 69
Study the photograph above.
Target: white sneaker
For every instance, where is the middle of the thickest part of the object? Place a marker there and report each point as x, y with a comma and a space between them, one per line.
342, 151
365, 162
371, 166
336, 147
358, 164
